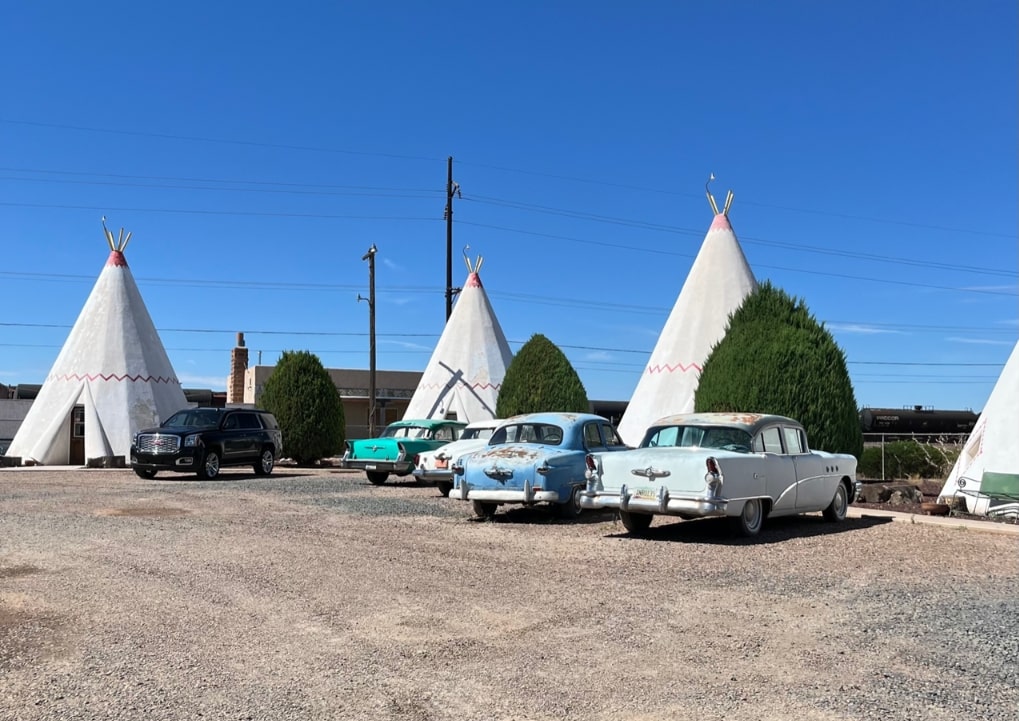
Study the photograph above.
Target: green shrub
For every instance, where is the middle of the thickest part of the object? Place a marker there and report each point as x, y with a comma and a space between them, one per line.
307, 406
907, 459
776, 358
540, 378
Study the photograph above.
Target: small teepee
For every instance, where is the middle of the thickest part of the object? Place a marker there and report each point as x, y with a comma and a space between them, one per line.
467, 367
719, 280
991, 454
113, 365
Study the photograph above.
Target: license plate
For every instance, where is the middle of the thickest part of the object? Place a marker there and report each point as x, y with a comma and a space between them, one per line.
646, 494
441, 463
369, 467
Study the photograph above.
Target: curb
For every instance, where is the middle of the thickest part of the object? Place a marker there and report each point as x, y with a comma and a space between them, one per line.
1000, 527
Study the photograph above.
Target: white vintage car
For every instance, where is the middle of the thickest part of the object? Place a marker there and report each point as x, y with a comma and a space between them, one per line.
746, 466
433, 466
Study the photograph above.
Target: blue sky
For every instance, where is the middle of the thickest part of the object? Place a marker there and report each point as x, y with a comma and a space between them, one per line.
256, 155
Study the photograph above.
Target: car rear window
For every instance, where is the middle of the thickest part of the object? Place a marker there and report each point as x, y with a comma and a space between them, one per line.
406, 432
472, 433
544, 433
730, 439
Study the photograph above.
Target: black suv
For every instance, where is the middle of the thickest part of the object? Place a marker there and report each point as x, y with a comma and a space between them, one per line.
202, 440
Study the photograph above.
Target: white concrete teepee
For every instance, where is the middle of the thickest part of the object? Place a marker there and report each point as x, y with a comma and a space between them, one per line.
113, 364
719, 280
468, 365
992, 448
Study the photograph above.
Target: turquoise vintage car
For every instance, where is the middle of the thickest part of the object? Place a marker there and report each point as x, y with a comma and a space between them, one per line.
395, 451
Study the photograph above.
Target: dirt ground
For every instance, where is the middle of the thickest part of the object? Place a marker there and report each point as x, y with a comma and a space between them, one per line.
314, 595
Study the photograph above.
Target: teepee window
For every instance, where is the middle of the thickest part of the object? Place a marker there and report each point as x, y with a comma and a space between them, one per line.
78, 431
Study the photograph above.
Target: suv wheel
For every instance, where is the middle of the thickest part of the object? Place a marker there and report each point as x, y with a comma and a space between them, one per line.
264, 465
210, 465
146, 473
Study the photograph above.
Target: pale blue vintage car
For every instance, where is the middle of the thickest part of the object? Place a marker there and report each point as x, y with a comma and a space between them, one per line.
534, 458
745, 466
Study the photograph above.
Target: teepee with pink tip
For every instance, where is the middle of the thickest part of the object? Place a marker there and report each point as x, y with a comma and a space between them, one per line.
719, 280
112, 365
467, 367
990, 457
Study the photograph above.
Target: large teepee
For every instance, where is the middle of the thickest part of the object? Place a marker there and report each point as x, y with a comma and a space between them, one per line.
719, 280
113, 365
467, 367
991, 449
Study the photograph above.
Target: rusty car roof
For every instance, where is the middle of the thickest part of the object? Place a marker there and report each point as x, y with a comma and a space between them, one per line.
751, 422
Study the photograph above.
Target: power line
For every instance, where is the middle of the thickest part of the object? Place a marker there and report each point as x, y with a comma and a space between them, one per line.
221, 180
531, 172
289, 191
225, 141
106, 208
388, 192
755, 241
642, 352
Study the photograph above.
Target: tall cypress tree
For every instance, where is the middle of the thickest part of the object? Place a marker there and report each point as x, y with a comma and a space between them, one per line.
307, 406
776, 358
540, 378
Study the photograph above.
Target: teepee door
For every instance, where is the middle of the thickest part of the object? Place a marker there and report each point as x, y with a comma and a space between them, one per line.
76, 456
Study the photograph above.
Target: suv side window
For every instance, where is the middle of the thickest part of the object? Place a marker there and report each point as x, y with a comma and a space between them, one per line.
248, 420
269, 421
231, 423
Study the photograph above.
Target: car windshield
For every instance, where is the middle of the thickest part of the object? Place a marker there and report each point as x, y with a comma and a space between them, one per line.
194, 418
479, 434
406, 432
728, 439
543, 433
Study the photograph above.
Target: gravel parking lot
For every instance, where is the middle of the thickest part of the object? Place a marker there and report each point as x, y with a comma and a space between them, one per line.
314, 595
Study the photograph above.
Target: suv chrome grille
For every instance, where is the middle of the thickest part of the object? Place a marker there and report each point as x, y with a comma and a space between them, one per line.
158, 443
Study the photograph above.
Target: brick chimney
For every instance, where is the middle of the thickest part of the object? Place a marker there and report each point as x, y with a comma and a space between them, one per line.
238, 364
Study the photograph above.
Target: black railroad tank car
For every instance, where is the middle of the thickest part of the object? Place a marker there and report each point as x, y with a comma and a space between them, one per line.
918, 420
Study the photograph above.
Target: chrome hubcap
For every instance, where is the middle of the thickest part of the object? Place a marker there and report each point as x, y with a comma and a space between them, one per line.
840, 501
752, 514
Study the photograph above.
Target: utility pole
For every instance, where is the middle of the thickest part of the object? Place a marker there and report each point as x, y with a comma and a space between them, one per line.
370, 257
451, 190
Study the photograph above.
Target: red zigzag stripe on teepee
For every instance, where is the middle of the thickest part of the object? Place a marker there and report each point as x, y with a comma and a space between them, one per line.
478, 386
670, 368
113, 377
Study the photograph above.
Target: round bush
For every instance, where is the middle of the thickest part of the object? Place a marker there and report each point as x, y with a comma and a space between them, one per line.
307, 406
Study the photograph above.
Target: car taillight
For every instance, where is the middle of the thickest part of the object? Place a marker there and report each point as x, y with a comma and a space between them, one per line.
591, 464
417, 458
713, 478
